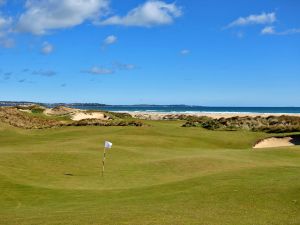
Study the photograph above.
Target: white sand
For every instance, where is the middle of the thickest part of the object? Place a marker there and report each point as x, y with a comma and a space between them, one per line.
275, 142
25, 110
160, 116
75, 114
86, 115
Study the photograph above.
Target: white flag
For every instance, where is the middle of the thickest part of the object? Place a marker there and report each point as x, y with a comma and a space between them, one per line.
107, 144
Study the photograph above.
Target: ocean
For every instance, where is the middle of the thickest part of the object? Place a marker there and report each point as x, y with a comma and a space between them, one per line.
192, 109
167, 108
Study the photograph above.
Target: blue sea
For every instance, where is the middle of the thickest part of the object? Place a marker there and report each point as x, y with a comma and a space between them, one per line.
192, 109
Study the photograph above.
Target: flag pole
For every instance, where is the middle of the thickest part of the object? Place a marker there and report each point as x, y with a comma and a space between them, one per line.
103, 161
107, 145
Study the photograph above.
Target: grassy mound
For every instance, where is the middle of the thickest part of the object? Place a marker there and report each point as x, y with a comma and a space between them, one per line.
117, 115
32, 117
61, 111
32, 108
271, 124
16, 118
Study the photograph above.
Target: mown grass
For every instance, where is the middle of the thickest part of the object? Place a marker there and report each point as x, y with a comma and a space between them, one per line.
157, 174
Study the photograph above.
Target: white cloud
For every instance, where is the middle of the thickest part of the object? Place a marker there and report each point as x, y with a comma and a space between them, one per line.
111, 39
99, 71
151, 13
42, 16
96, 70
5, 29
290, 31
5, 22
185, 52
7, 43
124, 66
127, 66
263, 18
47, 48
46, 73
268, 30
271, 31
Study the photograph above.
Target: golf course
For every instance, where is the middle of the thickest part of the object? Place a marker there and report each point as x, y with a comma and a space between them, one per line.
161, 173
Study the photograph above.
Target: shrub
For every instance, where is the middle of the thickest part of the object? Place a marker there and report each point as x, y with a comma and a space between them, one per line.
271, 124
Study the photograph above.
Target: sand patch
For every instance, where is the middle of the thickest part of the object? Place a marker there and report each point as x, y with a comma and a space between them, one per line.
274, 142
89, 115
75, 114
25, 110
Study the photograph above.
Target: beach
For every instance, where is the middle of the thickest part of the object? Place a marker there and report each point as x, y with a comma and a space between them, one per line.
214, 115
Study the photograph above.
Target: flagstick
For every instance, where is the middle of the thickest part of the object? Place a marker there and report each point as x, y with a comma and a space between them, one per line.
103, 161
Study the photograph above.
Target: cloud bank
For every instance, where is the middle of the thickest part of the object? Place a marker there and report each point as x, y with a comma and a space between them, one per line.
42, 16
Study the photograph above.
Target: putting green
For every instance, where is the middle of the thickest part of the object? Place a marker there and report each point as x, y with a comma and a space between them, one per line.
160, 174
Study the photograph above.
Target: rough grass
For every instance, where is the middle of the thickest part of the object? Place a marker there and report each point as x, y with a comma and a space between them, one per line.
271, 124
158, 174
36, 119
113, 115
17, 118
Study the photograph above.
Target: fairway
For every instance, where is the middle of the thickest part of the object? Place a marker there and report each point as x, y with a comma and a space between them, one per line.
157, 174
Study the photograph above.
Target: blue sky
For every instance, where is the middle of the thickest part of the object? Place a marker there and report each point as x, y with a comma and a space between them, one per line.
200, 52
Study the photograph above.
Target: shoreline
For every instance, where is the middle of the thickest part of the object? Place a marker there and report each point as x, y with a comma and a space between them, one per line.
214, 115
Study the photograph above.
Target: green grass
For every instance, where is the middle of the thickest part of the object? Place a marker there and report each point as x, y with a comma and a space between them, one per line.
158, 174
40, 114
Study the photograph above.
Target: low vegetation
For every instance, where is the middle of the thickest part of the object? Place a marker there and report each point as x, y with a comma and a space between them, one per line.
96, 122
17, 118
112, 115
117, 115
33, 117
271, 124
33, 108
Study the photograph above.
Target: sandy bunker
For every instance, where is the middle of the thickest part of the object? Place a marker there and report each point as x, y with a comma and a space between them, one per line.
273, 142
75, 114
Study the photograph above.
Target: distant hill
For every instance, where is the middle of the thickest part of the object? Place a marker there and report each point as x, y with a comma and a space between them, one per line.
74, 105
14, 103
